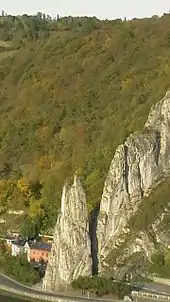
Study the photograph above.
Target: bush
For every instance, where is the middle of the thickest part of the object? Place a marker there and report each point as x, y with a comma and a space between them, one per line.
160, 265
101, 286
18, 268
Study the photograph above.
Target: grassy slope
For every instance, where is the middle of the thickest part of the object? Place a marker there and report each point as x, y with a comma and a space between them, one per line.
75, 96
6, 50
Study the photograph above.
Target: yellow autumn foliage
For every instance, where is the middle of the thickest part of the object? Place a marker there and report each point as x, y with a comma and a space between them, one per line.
35, 208
24, 186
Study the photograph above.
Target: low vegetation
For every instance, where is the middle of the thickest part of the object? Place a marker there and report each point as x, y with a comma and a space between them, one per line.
18, 268
101, 286
160, 265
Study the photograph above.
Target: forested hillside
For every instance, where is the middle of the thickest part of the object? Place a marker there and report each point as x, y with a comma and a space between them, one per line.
72, 90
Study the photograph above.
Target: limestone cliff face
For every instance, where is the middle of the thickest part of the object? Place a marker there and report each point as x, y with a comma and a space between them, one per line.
71, 249
133, 255
136, 169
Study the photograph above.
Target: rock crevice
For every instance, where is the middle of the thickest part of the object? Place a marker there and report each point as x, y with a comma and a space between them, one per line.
157, 147
126, 169
94, 241
140, 179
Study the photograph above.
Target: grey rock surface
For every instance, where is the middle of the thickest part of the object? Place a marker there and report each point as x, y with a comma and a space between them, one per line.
137, 167
71, 249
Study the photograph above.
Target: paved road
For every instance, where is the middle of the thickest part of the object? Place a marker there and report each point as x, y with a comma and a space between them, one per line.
6, 281
10, 283
156, 288
152, 287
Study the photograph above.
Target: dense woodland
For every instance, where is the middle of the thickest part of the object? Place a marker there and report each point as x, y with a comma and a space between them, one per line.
71, 90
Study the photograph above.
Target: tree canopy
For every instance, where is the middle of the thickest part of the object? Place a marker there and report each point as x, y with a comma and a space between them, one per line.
71, 90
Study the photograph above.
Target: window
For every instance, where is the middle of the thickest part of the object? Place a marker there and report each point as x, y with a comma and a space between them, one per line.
46, 254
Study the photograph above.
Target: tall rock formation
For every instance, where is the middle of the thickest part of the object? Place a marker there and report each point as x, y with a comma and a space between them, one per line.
71, 249
137, 167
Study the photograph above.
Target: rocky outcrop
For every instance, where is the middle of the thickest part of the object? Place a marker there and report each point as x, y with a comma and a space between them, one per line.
137, 167
133, 256
71, 249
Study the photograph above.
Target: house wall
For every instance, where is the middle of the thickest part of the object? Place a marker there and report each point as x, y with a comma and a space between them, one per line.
27, 251
16, 250
39, 255
8, 244
9, 241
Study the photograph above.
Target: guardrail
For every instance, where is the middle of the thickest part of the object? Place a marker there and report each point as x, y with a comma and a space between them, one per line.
150, 295
28, 294
46, 297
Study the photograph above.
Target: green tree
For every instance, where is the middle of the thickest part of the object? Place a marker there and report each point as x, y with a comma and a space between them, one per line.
31, 227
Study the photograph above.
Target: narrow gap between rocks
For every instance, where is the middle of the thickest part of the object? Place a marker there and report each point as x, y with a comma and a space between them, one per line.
157, 146
93, 237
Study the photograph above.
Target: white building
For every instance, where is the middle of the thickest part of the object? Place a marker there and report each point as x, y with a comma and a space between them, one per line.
21, 247
17, 248
10, 240
27, 250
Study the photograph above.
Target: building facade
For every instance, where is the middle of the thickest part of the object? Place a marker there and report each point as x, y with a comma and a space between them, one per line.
39, 252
